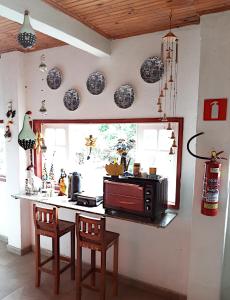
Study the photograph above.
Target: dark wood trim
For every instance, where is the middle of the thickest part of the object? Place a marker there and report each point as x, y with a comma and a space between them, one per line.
37, 125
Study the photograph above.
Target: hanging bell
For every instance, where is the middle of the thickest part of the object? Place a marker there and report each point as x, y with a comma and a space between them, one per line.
164, 119
174, 145
159, 101
171, 79
162, 94
43, 109
169, 126
160, 109
173, 136
171, 152
26, 36
26, 137
166, 86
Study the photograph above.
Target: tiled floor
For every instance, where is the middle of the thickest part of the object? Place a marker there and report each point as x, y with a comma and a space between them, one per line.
17, 282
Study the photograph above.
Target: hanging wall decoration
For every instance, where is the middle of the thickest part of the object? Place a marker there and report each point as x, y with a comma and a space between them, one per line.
43, 109
43, 68
90, 142
26, 137
124, 96
10, 116
26, 36
71, 99
95, 83
167, 99
54, 78
152, 69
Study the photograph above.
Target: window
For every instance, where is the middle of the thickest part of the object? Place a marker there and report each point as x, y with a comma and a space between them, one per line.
2, 154
66, 148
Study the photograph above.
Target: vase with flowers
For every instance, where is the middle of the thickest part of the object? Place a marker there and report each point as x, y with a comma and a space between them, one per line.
122, 148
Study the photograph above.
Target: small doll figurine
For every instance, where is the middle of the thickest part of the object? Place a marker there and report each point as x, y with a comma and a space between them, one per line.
62, 184
10, 116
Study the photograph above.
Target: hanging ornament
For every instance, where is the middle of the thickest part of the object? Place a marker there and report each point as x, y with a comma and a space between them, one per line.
171, 152
26, 137
169, 126
173, 136
44, 172
91, 143
43, 67
168, 82
174, 145
10, 116
43, 109
40, 142
26, 36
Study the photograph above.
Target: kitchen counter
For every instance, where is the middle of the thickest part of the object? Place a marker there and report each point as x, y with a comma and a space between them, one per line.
63, 202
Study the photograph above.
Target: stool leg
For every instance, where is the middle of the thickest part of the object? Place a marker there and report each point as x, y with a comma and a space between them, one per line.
37, 260
93, 266
72, 254
115, 268
103, 274
56, 265
79, 273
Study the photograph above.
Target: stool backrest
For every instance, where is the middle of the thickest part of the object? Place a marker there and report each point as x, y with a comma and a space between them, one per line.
90, 228
45, 219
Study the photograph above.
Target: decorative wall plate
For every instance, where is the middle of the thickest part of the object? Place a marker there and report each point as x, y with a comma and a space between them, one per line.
95, 83
124, 96
54, 78
71, 99
152, 69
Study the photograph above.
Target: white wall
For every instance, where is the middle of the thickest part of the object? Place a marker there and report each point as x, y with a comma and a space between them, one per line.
157, 256
208, 233
12, 88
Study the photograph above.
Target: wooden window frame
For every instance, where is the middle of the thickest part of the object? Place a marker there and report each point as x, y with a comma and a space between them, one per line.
37, 126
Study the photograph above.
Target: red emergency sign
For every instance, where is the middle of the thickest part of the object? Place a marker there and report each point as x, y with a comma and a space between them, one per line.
215, 109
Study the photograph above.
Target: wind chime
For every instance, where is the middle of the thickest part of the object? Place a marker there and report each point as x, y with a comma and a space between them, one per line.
43, 68
168, 84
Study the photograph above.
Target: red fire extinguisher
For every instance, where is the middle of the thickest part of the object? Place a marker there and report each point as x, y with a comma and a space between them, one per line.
211, 181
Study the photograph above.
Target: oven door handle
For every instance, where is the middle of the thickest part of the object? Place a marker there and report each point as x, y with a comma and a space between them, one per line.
125, 202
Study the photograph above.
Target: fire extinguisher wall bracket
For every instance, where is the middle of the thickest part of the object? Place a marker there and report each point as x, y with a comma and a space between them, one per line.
211, 181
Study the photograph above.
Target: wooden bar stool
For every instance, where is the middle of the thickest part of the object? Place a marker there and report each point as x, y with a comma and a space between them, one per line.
91, 234
47, 224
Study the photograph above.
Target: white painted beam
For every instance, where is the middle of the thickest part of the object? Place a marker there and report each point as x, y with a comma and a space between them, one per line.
52, 22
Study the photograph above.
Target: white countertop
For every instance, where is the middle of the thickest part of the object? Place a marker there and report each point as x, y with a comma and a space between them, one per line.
63, 201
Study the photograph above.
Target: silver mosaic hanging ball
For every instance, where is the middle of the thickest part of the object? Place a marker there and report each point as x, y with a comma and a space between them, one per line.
26, 36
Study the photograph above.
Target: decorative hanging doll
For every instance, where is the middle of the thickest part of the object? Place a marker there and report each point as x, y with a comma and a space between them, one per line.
26, 137
91, 143
10, 116
62, 184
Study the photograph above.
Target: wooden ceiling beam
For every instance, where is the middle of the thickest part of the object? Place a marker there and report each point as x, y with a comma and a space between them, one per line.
56, 24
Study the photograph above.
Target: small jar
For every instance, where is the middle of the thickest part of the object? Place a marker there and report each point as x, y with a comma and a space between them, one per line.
136, 169
152, 171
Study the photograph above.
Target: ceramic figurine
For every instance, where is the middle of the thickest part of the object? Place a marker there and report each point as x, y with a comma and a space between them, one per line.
26, 137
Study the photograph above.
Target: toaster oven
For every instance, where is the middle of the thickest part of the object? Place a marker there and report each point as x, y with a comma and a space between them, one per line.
135, 195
